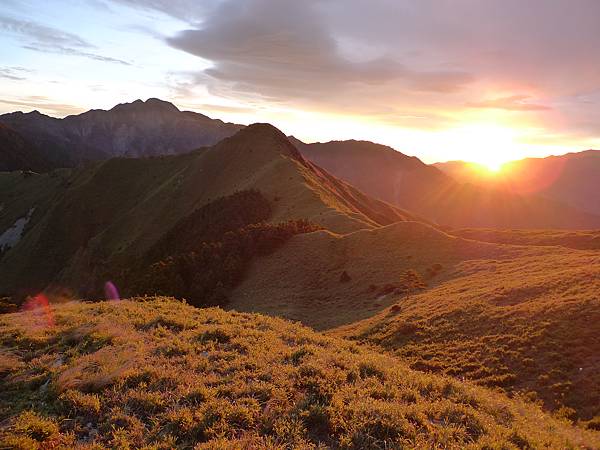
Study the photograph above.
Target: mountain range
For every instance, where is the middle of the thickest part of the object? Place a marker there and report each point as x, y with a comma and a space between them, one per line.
156, 127
125, 205
136, 129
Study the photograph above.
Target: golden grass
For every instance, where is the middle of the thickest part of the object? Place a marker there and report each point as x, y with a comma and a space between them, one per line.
157, 373
577, 239
527, 324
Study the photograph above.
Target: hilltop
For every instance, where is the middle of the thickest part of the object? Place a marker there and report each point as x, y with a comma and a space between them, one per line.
155, 372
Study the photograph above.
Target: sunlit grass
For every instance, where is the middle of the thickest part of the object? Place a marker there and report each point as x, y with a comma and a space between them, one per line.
161, 374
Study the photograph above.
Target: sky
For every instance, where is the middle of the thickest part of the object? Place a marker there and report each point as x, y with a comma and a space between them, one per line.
479, 80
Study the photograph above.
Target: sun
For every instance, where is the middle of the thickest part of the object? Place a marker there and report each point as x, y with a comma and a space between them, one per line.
487, 145
493, 166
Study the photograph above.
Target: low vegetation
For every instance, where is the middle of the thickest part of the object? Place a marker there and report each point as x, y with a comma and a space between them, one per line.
156, 373
205, 275
522, 325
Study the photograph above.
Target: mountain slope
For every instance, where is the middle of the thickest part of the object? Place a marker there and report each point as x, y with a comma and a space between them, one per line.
18, 154
524, 321
149, 128
303, 279
158, 373
408, 183
110, 213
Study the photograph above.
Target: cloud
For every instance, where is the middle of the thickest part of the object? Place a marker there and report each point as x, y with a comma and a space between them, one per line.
44, 104
191, 11
284, 51
511, 103
14, 73
42, 38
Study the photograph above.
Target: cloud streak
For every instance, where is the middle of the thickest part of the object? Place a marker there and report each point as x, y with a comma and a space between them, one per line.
45, 39
511, 103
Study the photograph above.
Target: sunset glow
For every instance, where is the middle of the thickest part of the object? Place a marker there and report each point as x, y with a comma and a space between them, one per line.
486, 89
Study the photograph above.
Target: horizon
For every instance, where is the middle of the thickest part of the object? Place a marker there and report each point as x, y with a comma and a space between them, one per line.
470, 81
491, 169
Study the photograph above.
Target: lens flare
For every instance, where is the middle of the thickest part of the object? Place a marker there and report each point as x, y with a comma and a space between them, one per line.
40, 307
110, 291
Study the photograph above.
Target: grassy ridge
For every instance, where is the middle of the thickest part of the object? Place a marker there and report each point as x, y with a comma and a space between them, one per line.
582, 240
159, 373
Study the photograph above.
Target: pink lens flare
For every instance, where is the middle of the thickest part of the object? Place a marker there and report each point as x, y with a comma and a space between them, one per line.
110, 291
40, 307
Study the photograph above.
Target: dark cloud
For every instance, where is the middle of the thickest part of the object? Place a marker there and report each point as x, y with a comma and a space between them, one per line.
284, 49
42, 38
511, 103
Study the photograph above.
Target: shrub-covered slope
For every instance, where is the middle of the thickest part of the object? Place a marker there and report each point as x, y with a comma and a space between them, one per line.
302, 280
158, 373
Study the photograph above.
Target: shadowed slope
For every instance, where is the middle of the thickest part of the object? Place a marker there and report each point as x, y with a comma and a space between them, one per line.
16, 153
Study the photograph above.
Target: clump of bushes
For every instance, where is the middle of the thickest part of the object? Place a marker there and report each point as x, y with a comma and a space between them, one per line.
409, 283
434, 270
210, 222
205, 275
206, 254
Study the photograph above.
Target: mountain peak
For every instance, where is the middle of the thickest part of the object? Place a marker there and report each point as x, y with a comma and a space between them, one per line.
265, 135
152, 104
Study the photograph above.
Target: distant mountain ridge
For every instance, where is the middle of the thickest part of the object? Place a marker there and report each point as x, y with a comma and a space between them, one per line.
408, 183
570, 178
138, 129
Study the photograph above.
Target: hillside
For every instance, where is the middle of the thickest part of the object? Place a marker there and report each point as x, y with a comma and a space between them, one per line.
136, 129
18, 154
404, 181
569, 178
579, 239
305, 275
524, 323
88, 223
156, 373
